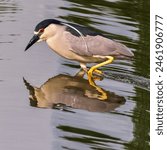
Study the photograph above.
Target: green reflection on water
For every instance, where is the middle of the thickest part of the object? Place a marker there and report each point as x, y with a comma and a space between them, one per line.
134, 13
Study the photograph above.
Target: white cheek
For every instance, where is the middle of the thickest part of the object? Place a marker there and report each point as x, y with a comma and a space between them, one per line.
40, 40
35, 32
43, 37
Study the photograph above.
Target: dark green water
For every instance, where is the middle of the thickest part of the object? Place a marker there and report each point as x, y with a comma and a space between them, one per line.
122, 123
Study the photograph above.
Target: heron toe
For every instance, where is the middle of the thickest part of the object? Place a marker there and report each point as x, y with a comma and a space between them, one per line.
97, 75
94, 74
99, 72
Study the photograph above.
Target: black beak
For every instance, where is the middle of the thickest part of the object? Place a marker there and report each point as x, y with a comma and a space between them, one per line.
34, 39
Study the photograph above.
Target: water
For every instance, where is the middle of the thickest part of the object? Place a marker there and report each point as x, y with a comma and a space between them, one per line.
120, 123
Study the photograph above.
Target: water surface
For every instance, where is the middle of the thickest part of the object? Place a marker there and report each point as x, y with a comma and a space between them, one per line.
118, 124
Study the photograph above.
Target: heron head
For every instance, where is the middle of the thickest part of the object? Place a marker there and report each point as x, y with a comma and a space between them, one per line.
42, 31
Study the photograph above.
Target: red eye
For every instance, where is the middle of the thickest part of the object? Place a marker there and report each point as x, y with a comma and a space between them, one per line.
41, 30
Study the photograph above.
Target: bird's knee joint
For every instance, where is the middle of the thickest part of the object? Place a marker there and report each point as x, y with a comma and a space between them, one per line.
110, 58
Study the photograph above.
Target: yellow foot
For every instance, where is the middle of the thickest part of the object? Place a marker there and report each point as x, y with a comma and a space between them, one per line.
95, 74
98, 71
90, 72
102, 93
98, 75
94, 68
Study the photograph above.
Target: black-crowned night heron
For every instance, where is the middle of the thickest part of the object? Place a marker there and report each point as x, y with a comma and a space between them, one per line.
77, 43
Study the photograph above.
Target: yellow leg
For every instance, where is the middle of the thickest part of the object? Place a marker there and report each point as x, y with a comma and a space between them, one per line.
91, 81
94, 68
103, 94
98, 71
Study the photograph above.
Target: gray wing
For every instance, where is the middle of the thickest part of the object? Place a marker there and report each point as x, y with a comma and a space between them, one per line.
96, 45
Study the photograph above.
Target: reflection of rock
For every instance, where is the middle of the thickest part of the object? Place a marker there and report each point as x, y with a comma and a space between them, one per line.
74, 92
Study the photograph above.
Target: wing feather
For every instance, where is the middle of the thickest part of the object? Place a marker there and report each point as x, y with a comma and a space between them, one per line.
90, 45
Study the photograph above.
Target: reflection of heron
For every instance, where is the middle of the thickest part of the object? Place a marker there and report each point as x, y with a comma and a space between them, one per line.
71, 91
80, 44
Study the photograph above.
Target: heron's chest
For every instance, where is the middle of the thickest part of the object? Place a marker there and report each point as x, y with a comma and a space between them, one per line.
59, 45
